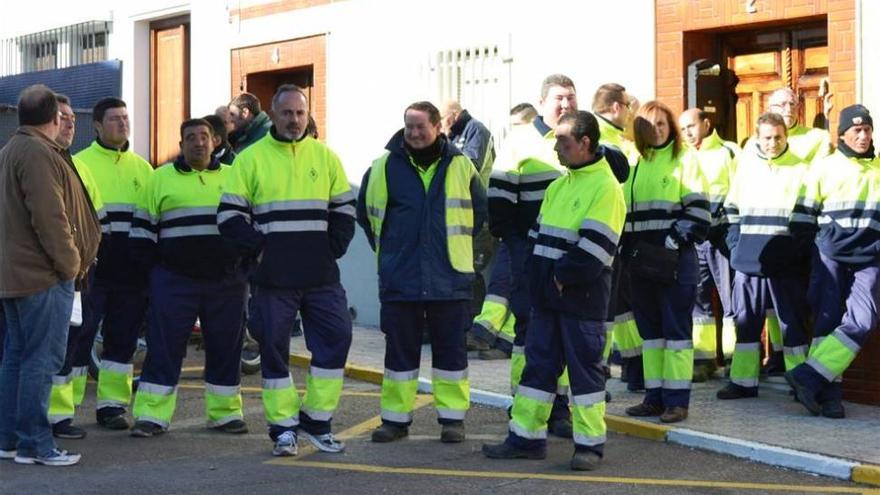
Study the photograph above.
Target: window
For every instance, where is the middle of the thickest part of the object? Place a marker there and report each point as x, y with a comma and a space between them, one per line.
478, 77
45, 55
94, 47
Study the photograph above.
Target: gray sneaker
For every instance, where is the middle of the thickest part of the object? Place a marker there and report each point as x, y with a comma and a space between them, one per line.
325, 443
56, 457
285, 445
7, 453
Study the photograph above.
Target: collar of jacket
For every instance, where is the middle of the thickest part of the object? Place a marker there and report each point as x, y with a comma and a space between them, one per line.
587, 166
541, 126
254, 125
662, 151
612, 124
850, 153
36, 133
458, 127
223, 150
181, 166
124, 147
711, 142
779, 159
280, 141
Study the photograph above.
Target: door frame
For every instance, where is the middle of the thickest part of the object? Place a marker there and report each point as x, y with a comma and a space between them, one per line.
155, 27
790, 67
684, 29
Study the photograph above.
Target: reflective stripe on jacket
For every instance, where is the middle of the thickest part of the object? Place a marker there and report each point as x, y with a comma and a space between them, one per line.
290, 203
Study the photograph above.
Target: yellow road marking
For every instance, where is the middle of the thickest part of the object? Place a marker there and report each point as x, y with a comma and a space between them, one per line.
349, 393
358, 429
760, 487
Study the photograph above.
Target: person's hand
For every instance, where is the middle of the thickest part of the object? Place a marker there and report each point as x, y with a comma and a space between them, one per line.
671, 243
828, 104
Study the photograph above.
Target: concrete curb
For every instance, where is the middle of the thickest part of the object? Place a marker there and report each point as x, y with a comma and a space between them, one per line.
754, 451
763, 453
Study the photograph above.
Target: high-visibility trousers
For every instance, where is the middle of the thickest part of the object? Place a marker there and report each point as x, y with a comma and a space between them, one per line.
402, 324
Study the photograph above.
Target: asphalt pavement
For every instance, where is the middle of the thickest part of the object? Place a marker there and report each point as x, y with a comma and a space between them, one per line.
191, 459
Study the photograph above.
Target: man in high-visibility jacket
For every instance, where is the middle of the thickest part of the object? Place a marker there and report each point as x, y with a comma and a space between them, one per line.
475, 141
840, 198
613, 108
715, 158
771, 265
194, 273
495, 323
525, 166
420, 205
69, 384
117, 297
288, 193
810, 144
574, 242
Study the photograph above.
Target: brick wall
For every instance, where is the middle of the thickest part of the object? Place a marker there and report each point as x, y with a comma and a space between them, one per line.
301, 52
676, 21
861, 382
684, 32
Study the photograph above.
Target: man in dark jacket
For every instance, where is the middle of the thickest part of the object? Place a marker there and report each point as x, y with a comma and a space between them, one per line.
475, 142
419, 206
222, 150
251, 123
49, 236
469, 135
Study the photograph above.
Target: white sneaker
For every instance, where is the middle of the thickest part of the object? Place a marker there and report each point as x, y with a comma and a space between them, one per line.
57, 457
285, 445
325, 443
7, 454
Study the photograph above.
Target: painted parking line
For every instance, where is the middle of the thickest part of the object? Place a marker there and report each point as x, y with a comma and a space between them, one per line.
452, 473
345, 393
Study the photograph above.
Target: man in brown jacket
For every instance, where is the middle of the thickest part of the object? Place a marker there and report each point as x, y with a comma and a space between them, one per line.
49, 236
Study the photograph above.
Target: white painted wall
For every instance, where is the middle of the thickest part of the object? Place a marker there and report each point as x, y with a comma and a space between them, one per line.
377, 67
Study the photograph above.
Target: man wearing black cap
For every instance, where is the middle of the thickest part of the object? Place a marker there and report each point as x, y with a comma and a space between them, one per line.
840, 203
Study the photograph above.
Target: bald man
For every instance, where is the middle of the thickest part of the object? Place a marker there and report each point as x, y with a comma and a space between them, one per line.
716, 159
475, 142
808, 143
469, 135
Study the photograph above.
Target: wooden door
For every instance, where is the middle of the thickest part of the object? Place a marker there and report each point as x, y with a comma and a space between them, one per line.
764, 61
169, 90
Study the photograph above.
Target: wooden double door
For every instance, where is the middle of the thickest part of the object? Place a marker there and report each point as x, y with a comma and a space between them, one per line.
759, 62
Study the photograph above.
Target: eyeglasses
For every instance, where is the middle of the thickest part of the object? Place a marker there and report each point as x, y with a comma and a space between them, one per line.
68, 117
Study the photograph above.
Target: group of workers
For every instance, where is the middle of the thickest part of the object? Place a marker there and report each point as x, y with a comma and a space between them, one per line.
602, 239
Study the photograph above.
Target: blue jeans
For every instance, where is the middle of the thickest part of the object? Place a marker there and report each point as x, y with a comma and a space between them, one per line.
2, 331
36, 340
